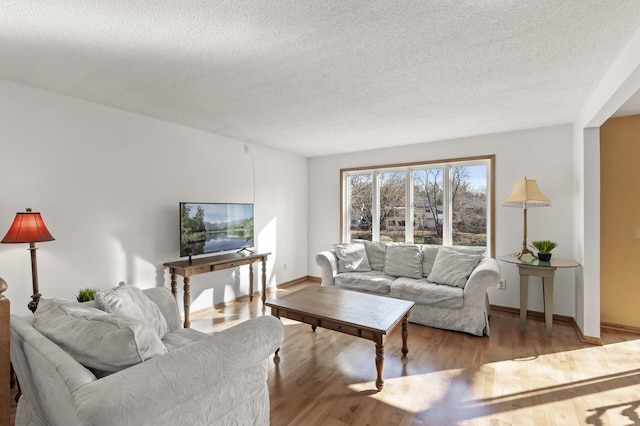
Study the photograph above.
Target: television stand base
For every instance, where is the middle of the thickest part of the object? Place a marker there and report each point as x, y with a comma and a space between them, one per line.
244, 249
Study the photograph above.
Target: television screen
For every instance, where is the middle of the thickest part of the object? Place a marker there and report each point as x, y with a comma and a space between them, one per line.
214, 227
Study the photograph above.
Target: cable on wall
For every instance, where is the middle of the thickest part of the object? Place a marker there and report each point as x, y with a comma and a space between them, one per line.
253, 172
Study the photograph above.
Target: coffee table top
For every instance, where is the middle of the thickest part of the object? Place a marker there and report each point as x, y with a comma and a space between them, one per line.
368, 311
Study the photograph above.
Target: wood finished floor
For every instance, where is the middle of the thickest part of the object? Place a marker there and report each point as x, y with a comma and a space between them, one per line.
449, 378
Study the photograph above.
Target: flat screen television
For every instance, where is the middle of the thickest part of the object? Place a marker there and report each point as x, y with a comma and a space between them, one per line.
215, 227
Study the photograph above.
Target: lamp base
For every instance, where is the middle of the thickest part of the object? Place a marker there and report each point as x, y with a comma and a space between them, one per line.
524, 251
33, 305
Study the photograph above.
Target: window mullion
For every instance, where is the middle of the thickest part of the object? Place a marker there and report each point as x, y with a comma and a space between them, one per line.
346, 211
447, 238
375, 207
409, 208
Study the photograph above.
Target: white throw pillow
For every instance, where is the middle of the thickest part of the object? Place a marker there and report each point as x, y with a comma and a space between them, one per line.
96, 339
429, 253
352, 258
375, 254
131, 301
403, 261
453, 266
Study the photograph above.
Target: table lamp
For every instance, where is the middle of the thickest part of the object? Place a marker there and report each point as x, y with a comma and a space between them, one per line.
28, 227
525, 194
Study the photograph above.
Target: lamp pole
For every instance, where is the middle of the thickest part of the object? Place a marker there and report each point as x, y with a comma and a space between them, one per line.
35, 298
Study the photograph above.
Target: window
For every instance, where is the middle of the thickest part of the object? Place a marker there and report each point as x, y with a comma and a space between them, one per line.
444, 202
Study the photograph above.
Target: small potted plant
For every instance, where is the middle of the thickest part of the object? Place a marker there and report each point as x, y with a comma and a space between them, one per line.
86, 294
544, 249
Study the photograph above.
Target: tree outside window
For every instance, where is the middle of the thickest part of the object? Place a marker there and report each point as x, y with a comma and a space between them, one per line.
435, 203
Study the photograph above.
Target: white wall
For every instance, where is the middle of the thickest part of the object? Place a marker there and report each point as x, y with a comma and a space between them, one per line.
545, 155
621, 81
108, 184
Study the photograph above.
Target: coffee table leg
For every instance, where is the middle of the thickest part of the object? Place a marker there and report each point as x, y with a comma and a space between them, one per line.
379, 360
405, 334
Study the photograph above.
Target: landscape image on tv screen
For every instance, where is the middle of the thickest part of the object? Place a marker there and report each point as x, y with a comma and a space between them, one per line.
214, 227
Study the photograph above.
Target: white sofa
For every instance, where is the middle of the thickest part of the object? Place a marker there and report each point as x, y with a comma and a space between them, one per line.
197, 379
448, 284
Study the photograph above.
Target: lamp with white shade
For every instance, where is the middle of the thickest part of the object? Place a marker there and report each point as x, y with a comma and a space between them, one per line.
525, 194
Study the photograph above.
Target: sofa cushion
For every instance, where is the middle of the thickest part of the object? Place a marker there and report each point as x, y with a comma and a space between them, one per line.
371, 282
375, 254
453, 266
96, 339
403, 261
429, 253
352, 257
129, 300
425, 293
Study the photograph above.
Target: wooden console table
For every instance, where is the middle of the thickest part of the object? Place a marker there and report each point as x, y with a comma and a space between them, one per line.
203, 265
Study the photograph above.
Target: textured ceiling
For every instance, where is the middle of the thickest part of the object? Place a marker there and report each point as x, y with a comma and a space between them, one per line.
322, 77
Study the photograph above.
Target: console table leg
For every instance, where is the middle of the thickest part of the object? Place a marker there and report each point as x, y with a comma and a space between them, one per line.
264, 280
187, 301
251, 282
379, 361
174, 286
405, 334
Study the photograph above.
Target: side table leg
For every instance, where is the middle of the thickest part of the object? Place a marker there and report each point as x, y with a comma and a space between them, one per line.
379, 339
524, 295
547, 289
405, 334
186, 299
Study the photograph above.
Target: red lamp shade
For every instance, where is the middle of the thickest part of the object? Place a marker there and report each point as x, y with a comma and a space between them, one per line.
27, 227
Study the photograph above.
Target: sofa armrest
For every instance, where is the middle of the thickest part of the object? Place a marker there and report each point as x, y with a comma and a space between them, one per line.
222, 365
328, 264
485, 275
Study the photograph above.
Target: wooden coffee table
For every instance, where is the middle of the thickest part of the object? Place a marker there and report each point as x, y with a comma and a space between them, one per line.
363, 315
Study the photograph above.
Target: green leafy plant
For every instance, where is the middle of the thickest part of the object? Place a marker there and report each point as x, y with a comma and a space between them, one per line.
544, 246
86, 294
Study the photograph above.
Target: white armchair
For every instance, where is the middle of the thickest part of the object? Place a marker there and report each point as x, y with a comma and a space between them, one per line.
208, 380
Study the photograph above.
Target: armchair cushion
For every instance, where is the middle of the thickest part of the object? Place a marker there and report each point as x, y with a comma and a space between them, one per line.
129, 300
96, 339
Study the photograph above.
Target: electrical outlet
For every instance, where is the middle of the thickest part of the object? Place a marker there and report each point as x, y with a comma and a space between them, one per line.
284, 266
502, 285
246, 149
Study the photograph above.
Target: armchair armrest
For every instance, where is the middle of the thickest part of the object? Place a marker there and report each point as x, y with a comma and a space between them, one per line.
223, 367
328, 264
485, 275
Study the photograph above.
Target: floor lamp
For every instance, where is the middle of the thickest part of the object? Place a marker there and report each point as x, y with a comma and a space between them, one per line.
28, 227
525, 194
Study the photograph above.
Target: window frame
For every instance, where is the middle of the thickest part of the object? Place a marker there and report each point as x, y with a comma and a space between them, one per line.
446, 165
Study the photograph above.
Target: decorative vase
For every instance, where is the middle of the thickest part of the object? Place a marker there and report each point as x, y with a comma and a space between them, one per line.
544, 257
